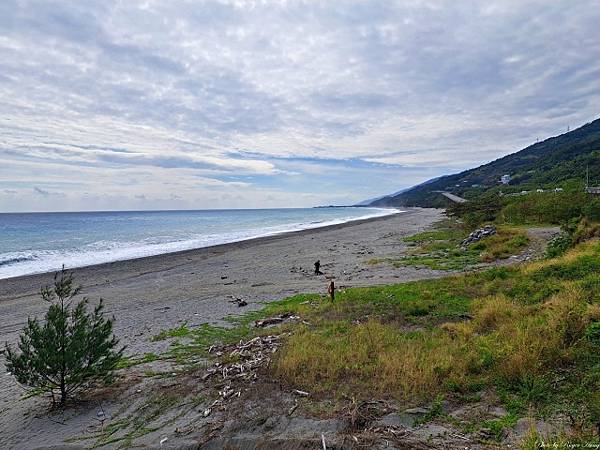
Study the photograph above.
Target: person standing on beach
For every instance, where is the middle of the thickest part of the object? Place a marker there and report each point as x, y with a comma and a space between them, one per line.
318, 267
331, 291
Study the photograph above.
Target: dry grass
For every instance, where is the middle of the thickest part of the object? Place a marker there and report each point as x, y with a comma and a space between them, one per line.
493, 312
569, 258
441, 249
509, 340
506, 242
368, 357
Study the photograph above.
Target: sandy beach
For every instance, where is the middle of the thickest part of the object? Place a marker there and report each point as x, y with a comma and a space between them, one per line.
151, 294
195, 286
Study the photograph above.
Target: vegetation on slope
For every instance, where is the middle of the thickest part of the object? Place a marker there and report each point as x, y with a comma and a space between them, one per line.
536, 208
555, 162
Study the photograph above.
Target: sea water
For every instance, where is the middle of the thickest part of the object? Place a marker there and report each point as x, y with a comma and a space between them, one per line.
43, 242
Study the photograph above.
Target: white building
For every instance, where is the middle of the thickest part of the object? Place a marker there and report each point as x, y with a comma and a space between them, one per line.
505, 179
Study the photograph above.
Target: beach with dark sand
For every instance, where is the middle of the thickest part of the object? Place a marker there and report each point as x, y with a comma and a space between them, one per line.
195, 287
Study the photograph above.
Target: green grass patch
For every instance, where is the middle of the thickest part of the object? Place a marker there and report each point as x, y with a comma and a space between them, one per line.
498, 426
130, 361
446, 234
448, 258
440, 249
512, 330
178, 332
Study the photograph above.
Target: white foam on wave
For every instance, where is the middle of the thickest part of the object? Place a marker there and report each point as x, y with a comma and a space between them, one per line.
26, 263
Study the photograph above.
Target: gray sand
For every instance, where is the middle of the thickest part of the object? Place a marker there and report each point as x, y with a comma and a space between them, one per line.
150, 294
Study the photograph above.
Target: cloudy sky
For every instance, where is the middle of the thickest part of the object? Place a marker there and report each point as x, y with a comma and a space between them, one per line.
205, 104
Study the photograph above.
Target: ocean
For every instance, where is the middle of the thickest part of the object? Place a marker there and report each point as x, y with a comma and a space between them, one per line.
43, 242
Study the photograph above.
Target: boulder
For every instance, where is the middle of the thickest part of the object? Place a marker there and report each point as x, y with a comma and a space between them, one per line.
478, 234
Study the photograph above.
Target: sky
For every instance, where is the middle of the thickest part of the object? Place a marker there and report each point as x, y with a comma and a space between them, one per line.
127, 105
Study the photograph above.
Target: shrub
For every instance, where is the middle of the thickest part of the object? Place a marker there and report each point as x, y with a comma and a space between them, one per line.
72, 349
559, 245
477, 211
592, 209
592, 333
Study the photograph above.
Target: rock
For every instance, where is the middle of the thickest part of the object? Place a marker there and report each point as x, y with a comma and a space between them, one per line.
301, 427
497, 411
396, 420
417, 411
477, 235
431, 430
524, 425
239, 301
162, 308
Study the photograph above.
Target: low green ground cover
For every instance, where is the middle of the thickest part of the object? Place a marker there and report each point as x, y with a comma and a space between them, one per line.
440, 249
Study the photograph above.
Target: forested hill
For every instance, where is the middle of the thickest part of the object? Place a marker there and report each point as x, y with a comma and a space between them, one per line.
547, 164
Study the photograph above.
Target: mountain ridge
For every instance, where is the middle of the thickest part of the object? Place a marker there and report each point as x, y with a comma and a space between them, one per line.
549, 163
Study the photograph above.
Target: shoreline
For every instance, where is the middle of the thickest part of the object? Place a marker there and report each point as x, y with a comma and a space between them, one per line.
196, 287
200, 282
214, 248
393, 211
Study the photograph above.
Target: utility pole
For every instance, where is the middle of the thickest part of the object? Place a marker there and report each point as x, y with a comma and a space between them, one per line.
587, 177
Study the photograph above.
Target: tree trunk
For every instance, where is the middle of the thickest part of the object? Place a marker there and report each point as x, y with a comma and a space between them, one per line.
63, 390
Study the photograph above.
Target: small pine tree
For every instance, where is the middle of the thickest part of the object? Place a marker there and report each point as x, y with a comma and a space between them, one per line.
72, 349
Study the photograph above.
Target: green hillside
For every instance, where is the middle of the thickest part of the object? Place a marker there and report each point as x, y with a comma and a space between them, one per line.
555, 162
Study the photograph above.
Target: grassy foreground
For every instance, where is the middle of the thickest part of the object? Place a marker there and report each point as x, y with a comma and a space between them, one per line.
513, 329
529, 336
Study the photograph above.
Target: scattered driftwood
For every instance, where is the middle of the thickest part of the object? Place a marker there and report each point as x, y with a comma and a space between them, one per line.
236, 376
208, 410
390, 431
270, 321
359, 415
397, 434
301, 393
293, 408
250, 355
477, 235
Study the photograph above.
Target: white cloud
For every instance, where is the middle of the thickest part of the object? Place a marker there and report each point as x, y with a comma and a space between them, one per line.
108, 93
